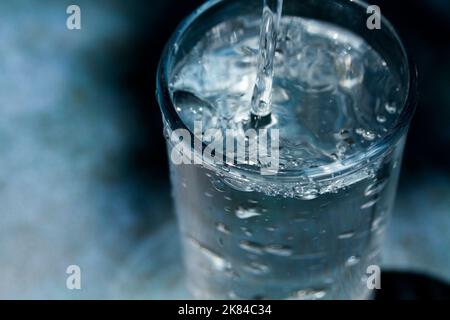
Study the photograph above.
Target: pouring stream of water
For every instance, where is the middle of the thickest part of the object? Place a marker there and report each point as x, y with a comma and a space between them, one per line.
261, 104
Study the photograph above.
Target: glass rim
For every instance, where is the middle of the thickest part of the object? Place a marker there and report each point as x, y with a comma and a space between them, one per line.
354, 161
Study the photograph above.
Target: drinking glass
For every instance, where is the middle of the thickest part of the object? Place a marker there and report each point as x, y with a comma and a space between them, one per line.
241, 243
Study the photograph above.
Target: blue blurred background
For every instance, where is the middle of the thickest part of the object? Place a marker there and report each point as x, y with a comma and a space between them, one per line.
83, 168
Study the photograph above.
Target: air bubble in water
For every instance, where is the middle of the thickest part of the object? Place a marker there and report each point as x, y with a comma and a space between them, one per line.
381, 118
308, 194
391, 107
343, 134
366, 134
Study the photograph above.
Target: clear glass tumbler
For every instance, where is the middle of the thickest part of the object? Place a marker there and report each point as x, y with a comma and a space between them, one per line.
241, 243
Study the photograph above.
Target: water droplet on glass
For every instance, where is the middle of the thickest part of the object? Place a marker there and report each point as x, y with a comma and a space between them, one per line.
395, 165
369, 204
252, 247
247, 231
391, 107
352, 261
346, 235
377, 224
257, 268
375, 188
278, 250
245, 213
217, 261
222, 227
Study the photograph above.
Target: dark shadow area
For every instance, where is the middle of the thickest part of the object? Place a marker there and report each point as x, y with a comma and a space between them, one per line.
136, 63
411, 286
424, 27
129, 69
